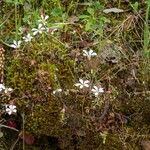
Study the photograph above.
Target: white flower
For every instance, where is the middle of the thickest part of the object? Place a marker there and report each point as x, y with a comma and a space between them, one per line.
16, 44
10, 109
2, 87
43, 19
28, 38
89, 53
39, 30
96, 90
82, 83
8, 90
57, 91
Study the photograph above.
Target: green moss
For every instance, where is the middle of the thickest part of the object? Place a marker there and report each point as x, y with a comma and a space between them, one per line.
47, 63
33, 74
45, 119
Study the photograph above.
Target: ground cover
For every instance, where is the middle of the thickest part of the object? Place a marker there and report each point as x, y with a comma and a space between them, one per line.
74, 75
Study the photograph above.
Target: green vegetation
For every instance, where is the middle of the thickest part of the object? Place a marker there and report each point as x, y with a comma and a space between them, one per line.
80, 77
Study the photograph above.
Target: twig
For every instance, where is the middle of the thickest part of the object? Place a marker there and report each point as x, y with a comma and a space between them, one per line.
106, 108
13, 146
6, 18
1, 125
143, 92
23, 121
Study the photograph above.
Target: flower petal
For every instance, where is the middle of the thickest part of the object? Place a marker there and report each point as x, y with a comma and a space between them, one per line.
81, 81
6, 106
13, 46
96, 93
15, 43
7, 109
90, 52
12, 107
86, 81
59, 90
40, 25
81, 86
85, 53
46, 17
101, 90
34, 29
19, 42
93, 90
86, 85
42, 28
95, 87
10, 112
42, 16
94, 54
77, 84
14, 110
40, 31
2, 86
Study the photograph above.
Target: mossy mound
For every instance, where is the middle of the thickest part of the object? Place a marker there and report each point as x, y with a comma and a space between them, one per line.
34, 74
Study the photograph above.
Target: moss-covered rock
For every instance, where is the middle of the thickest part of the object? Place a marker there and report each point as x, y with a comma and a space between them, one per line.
34, 74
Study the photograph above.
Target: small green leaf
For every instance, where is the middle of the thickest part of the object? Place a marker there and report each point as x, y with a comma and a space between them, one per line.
16, 2
105, 20
91, 11
135, 6
97, 5
104, 136
56, 12
83, 16
1, 134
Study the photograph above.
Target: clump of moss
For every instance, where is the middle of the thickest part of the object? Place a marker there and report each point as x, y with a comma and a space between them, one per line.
33, 76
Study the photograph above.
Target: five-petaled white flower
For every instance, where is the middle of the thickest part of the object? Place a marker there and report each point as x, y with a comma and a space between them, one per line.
10, 109
5, 89
82, 83
28, 38
16, 44
57, 91
89, 53
2, 87
43, 19
96, 90
40, 29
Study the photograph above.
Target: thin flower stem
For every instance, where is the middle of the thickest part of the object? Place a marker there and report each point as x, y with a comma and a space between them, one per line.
1, 125
10, 13
58, 41
23, 121
73, 76
43, 40
4, 43
14, 144
16, 21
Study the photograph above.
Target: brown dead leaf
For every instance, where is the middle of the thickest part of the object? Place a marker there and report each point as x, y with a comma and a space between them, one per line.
73, 19
145, 145
114, 10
